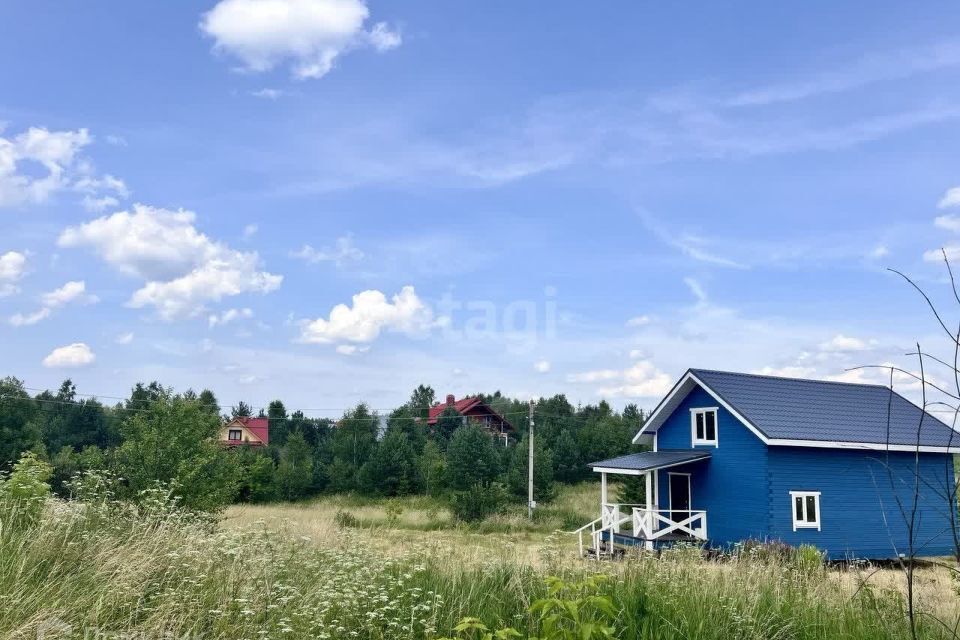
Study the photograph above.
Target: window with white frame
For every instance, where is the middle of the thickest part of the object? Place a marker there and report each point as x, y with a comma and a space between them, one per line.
806, 509
703, 424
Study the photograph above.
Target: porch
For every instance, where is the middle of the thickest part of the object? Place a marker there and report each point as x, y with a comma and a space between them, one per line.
645, 525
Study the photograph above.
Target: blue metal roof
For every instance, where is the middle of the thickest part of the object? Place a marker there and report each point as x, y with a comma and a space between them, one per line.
647, 460
797, 409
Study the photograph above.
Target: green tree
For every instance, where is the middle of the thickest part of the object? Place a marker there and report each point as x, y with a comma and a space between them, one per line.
517, 476
351, 444
241, 410
279, 425
208, 402
18, 431
448, 422
566, 458
471, 458
142, 395
67, 422
173, 442
256, 474
421, 400
403, 419
295, 471
432, 469
392, 468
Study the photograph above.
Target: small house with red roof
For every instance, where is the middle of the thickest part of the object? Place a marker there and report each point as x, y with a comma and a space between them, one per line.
252, 432
476, 411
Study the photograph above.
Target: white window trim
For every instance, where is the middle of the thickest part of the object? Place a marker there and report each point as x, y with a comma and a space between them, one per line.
716, 426
803, 524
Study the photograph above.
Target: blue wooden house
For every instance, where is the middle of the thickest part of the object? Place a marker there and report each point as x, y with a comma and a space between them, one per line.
736, 457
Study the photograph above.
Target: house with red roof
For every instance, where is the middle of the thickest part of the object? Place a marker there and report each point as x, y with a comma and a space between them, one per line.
252, 432
476, 411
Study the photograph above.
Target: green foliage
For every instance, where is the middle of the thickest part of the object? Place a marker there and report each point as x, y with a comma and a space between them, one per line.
392, 468
574, 611
518, 476
67, 463
471, 458
477, 502
421, 400
566, 458
18, 432
351, 444
172, 442
294, 475
447, 424
241, 410
24, 493
255, 474
432, 468
633, 490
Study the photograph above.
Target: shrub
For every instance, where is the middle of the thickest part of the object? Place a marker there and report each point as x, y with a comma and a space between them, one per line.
24, 493
477, 502
807, 558
345, 520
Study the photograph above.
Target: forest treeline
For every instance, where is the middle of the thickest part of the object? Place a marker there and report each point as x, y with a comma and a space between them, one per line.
157, 437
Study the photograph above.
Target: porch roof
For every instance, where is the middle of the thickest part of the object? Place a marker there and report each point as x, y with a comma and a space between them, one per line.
649, 460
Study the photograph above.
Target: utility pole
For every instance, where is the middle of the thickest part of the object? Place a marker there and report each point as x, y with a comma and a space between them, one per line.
530, 503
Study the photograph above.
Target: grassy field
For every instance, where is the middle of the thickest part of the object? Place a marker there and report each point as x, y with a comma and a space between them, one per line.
405, 570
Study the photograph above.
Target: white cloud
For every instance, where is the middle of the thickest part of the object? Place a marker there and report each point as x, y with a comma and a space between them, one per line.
229, 316
351, 349
342, 253
637, 353
595, 376
638, 321
879, 251
950, 222
950, 199
696, 289
57, 155
249, 231
370, 314
309, 34
183, 268
268, 93
642, 380
12, 266
96, 205
74, 291
124, 338
542, 366
840, 343
73, 355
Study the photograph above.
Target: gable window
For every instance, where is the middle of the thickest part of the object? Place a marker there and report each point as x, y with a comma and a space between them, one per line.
703, 424
806, 509
233, 434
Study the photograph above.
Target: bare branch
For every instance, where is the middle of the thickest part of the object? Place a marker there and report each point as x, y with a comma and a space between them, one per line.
923, 293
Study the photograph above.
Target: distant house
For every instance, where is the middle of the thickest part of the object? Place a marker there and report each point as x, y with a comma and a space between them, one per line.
252, 432
476, 411
827, 464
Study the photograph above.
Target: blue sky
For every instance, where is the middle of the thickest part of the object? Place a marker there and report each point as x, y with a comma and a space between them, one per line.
531, 198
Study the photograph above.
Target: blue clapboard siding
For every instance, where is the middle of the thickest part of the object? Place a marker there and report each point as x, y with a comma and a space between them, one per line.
732, 485
858, 506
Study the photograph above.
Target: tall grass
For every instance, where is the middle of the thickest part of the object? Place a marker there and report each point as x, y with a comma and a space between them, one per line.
105, 568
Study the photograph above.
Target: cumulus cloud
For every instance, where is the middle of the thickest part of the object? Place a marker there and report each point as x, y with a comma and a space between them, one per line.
842, 343
595, 376
73, 355
74, 291
308, 34
12, 267
542, 366
229, 316
183, 268
37, 163
343, 252
950, 199
371, 314
642, 380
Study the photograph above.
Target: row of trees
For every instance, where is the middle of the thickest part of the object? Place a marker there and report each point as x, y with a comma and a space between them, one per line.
159, 436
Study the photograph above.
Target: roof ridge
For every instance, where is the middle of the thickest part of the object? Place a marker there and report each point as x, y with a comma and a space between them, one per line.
871, 385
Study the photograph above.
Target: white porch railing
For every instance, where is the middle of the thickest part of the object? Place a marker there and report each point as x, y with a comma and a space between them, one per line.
653, 524
648, 524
